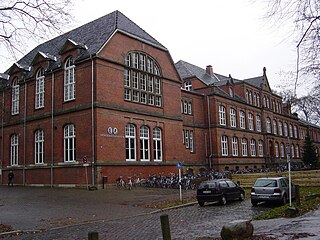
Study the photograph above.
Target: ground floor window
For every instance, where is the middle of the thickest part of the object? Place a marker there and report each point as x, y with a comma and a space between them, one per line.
14, 150
69, 143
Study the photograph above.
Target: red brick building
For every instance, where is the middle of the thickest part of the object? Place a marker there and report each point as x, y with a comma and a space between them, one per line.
106, 99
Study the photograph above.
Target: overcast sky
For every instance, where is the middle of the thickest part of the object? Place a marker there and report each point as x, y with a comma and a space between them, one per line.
230, 35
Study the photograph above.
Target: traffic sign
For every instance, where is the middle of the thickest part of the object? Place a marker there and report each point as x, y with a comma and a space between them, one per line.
179, 165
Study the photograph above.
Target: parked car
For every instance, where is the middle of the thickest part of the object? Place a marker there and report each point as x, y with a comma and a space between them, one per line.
271, 190
219, 190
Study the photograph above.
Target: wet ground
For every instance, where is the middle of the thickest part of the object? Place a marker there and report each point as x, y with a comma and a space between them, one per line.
45, 213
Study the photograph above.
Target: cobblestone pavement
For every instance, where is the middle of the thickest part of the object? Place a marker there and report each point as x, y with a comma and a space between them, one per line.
68, 214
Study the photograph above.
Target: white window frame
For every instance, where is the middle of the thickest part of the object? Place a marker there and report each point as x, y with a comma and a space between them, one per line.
276, 149
69, 143
144, 144
39, 147
233, 117
280, 128
260, 148
244, 147
250, 121
15, 97
224, 145
282, 154
69, 80
191, 141
235, 149
130, 138
285, 129
157, 144
188, 85
242, 116
39, 101
258, 123
253, 148
292, 150
275, 127
222, 115
290, 130
14, 150
268, 125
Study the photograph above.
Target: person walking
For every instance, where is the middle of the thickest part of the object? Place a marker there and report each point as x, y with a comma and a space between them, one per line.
10, 178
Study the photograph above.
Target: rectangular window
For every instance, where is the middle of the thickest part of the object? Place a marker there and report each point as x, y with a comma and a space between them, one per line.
143, 82
135, 60
151, 99
135, 80
39, 93
135, 96
187, 138
234, 146
127, 94
69, 143
258, 123
69, 84
142, 62
242, 120
250, 120
244, 147
224, 146
158, 101
253, 148
189, 108
15, 99
143, 98
233, 120
150, 84
191, 141
222, 115
39, 142
127, 78
14, 150
157, 86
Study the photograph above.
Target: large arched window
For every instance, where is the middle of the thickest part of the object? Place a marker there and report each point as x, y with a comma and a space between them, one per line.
250, 121
38, 146
233, 118
15, 97
69, 80
39, 101
130, 142
14, 150
144, 144
142, 80
157, 144
69, 143
253, 147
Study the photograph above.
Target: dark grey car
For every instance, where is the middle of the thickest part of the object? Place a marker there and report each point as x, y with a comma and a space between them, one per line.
271, 190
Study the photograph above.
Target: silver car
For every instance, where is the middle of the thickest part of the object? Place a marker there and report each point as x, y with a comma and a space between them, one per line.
271, 190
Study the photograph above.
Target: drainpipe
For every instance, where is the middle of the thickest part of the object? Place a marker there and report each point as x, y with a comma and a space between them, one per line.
52, 128
92, 125
210, 136
24, 135
2, 131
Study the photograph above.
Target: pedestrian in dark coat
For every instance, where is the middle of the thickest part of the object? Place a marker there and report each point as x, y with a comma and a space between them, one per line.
10, 178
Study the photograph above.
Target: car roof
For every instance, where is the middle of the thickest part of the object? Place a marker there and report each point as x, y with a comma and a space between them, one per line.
216, 180
271, 178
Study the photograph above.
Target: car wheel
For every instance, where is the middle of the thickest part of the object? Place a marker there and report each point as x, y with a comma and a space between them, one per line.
241, 197
284, 200
201, 204
223, 200
254, 203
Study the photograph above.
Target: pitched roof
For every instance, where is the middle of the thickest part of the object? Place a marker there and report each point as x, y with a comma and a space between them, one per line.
93, 36
187, 70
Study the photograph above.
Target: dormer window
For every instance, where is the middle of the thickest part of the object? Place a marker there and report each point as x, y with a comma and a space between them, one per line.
231, 92
188, 85
15, 97
69, 80
39, 102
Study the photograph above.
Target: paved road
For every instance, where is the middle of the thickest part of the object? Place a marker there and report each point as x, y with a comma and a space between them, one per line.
115, 214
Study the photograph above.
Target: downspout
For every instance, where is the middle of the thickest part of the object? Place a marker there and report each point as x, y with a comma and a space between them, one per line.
92, 125
2, 131
24, 135
52, 128
210, 137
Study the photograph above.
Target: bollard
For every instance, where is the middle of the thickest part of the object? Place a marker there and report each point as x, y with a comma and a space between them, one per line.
93, 236
297, 196
165, 227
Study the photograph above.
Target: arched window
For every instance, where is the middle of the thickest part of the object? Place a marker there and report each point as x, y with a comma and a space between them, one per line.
268, 125
144, 144
69, 80
291, 131
234, 146
252, 147
280, 128
297, 151
247, 96
258, 123
260, 148
276, 149
142, 81
15, 97
295, 131
222, 115
285, 128
250, 97
275, 127
69, 143
39, 102
39, 147
244, 147
157, 144
242, 120
250, 121
282, 150
255, 99
292, 150
224, 145
130, 135
233, 118
14, 150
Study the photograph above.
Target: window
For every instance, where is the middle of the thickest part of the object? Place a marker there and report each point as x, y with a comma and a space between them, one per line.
250, 121
224, 145
260, 148
282, 150
285, 128
188, 85
69, 80
39, 146
242, 120
297, 151
14, 150
255, 99
15, 97
157, 144
250, 97
230, 92
144, 144
276, 149
252, 147
275, 127
222, 115
244, 147
69, 143
130, 136
234, 146
258, 100
233, 118
292, 150
280, 128
191, 142
258, 123
295, 131
189, 108
39, 103
247, 96
142, 82
264, 101
187, 138
291, 131
268, 125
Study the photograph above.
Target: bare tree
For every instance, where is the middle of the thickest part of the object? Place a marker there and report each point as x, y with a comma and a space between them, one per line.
31, 20
305, 16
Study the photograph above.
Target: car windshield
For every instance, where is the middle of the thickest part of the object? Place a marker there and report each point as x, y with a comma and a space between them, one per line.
207, 185
265, 183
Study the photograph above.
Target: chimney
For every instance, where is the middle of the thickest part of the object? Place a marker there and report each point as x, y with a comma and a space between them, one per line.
209, 70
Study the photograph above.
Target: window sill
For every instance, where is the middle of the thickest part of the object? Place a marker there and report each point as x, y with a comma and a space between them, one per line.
68, 163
